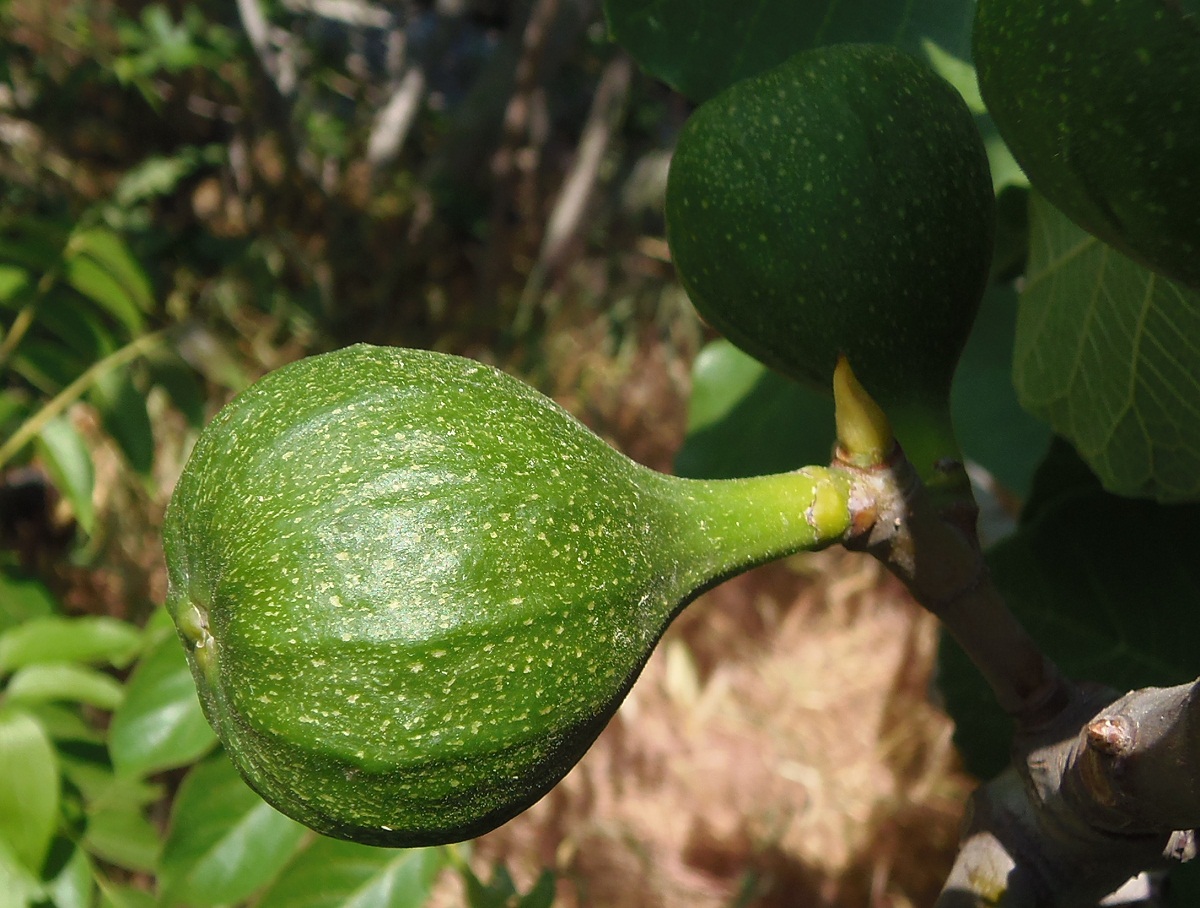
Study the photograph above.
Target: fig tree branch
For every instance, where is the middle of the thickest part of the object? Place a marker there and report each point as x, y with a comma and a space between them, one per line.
1101, 787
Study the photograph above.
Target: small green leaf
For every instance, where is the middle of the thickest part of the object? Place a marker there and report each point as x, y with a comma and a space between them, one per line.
74, 885
332, 874
86, 766
113, 896
110, 254
1109, 354
69, 464
22, 598
19, 886
29, 788
224, 840
53, 639
48, 681
745, 420
120, 834
90, 280
160, 724
123, 411
701, 46
15, 284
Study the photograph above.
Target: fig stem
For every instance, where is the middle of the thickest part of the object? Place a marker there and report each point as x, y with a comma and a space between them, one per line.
864, 434
927, 540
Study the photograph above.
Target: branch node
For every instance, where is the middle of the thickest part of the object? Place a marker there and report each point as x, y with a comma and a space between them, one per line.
1112, 736
1181, 846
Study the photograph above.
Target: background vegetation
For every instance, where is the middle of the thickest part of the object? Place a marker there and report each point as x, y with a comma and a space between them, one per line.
197, 192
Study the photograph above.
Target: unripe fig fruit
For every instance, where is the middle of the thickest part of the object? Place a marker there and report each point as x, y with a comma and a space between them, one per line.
840, 204
413, 590
1100, 104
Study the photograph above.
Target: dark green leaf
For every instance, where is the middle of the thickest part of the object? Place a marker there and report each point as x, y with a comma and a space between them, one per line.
332, 874
87, 767
160, 724
69, 463
993, 428
63, 722
29, 788
34, 243
224, 840
48, 681
1109, 354
81, 330
701, 46
745, 420
501, 892
122, 409
1108, 586
53, 639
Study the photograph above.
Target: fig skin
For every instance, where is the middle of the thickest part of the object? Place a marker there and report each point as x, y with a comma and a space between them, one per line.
1100, 104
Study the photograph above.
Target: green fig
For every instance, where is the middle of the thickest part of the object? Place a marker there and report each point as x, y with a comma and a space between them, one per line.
1100, 103
412, 590
840, 204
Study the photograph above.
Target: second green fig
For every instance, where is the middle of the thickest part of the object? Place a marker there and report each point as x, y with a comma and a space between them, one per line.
840, 203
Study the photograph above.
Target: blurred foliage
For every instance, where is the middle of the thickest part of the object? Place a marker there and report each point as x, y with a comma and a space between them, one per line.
197, 192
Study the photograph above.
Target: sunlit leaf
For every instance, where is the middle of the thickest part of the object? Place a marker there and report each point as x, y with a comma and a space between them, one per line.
110, 253
224, 840
69, 463
74, 886
19, 886
29, 788
90, 279
701, 46
15, 283
91, 639
1109, 354
160, 724
332, 874
121, 834
501, 891
63, 681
